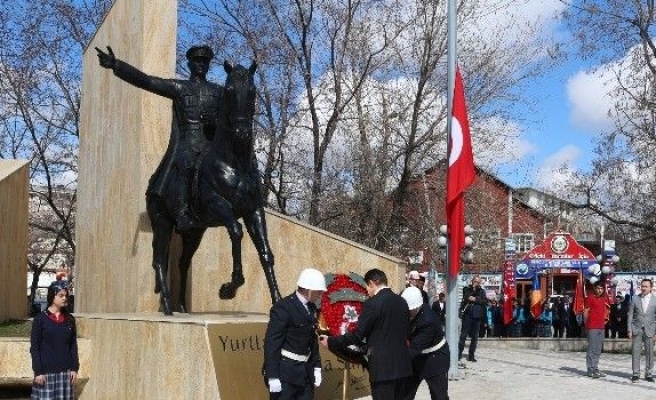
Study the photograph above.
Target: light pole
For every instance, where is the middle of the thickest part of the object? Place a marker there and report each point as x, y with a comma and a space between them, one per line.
467, 256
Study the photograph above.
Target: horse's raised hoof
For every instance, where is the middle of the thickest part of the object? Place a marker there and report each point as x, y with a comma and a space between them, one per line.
229, 290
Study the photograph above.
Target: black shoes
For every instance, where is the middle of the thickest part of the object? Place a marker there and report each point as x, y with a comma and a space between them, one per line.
649, 378
472, 359
595, 374
635, 378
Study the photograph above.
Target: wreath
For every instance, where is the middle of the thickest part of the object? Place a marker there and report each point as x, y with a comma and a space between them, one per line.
341, 305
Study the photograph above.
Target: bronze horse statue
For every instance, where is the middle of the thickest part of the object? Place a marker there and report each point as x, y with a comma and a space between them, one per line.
226, 188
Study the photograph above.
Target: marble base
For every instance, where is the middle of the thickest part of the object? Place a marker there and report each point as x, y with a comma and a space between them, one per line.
14, 237
190, 356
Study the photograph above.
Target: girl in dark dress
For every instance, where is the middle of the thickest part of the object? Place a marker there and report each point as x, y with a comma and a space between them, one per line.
53, 347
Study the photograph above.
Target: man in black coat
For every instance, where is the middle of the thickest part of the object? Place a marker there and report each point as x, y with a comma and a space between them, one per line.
384, 323
619, 316
564, 311
439, 308
292, 367
473, 312
429, 351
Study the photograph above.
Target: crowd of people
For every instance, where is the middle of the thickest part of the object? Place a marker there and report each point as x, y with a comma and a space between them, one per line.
402, 334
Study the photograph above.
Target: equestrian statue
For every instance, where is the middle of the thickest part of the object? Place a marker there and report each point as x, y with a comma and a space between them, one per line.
208, 176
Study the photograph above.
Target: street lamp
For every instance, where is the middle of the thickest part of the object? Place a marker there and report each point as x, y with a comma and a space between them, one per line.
467, 254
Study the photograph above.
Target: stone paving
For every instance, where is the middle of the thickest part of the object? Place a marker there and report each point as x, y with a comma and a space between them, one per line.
521, 374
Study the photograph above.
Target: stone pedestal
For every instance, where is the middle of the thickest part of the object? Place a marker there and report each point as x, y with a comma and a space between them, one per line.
14, 239
189, 356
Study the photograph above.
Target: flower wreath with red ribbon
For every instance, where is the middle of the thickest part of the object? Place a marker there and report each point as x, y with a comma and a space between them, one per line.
341, 305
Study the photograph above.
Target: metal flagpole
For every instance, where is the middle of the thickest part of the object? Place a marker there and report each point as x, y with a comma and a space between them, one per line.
452, 281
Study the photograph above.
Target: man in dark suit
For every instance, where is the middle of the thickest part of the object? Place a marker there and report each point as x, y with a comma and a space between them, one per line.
384, 322
621, 316
292, 367
564, 311
557, 322
473, 313
429, 351
439, 308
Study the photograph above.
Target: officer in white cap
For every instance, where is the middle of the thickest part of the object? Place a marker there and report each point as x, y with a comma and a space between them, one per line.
429, 351
292, 366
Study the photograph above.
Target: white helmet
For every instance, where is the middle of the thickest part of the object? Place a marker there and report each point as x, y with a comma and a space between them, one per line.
311, 279
412, 296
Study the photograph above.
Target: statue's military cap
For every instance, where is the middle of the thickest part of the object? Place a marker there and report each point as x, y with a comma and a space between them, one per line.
200, 52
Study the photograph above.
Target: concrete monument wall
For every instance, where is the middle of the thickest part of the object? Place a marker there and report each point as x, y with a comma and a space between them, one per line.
124, 133
14, 239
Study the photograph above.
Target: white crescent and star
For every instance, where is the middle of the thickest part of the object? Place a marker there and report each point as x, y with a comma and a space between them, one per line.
456, 141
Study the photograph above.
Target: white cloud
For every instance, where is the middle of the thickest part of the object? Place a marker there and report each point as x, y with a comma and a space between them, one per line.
496, 142
590, 99
513, 24
557, 169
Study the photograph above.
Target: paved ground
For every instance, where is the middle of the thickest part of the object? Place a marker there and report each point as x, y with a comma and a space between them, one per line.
519, 374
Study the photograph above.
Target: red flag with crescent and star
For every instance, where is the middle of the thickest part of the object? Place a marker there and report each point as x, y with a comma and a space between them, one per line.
460, 174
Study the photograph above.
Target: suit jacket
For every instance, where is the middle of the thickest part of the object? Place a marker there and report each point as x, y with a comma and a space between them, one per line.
563, 314
291, 327
475, 308
640, 318
384, 323
426, 332
439, 312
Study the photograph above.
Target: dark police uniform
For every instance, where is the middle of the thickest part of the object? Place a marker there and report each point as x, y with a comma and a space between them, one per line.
291, 337
429, 354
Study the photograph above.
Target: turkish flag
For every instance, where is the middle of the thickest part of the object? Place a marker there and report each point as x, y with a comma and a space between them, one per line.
460, 175
579, 294
508, 291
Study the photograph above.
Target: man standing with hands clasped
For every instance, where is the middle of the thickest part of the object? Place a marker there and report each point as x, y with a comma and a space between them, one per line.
384, 322
472, 310
642, 327
292, 367
595, 315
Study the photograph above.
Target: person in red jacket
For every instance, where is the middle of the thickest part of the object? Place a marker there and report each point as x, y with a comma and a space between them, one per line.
595, 315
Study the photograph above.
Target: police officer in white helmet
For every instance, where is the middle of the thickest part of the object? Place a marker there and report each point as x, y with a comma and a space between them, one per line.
429, 350
292, 366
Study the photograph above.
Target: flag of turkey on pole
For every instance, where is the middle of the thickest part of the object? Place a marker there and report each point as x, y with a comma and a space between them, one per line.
460, 174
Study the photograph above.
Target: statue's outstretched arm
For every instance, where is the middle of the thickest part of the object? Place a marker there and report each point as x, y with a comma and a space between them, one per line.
130, 74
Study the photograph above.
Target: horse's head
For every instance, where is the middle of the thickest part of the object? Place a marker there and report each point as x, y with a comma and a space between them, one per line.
239, 99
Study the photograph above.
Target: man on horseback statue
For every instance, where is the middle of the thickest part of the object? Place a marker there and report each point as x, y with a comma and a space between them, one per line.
195, 111
229, 185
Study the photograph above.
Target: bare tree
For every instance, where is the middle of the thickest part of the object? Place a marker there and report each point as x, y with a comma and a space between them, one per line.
621, 184
353, 98
40, 71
